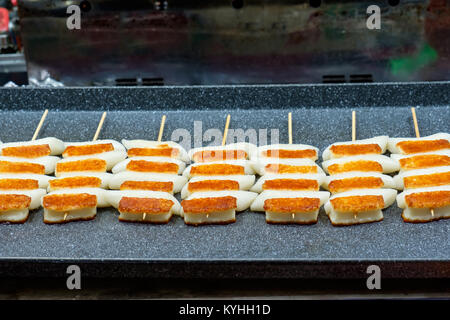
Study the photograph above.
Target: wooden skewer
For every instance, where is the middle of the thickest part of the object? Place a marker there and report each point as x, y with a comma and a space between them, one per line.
144, 216
161, 128
225, 132
290, 128
416, 126
353, 125
65, 216
36, 132
99, 128
416, 129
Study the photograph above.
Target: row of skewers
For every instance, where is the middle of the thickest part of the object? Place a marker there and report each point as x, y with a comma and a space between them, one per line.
140, 178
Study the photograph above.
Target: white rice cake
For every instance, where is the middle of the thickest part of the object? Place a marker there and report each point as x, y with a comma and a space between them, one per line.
375, 145
42, 180
358, 180
42, 165
425, 204
154, 164
285, 166
243, 198
422, 160
248, 148
429, 144
210, 183
68, 206
286, 151
120, 178
15, 204
180, 154
224, 168
311, 182
359, 206
368, 163
101, 194
73, 181
423, 178
56, 145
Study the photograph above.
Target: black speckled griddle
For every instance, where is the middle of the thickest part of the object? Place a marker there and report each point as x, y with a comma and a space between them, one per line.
249, 247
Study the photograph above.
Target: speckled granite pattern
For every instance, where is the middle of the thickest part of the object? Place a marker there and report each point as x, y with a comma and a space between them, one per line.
250, 238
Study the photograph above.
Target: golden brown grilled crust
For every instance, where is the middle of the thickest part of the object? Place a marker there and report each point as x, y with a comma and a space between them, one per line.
427, 180
213, 185
151, 166
286, 168
355, 183
148, 185
358, 203
424, 161
21, 167
219, 155
14, 202
69, 202
353, 223
75, 182
291, 205
29, 152
144, 205
153, 152
359, 165
285, 154
431, 219
411, 146
18, 184
217, 169
355, 149
67, 221
209, 205
429, 199
210, 223
86, 150
94, 165
291, 184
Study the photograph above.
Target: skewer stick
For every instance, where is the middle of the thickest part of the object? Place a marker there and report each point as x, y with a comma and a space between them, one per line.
416, 129
36, 132
65, 216
144, 216
225, 132
353, 125
161, 128
99, 128
416, 126
290, 130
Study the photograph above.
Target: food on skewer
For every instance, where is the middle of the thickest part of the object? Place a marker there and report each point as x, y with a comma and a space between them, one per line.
429, 144
425, 204
126, 179
217, 183
33, 149
358, 180
219, 168
422, 178
41, 165
233, 151
422, 161
305, 182
72, 181
147, 148
371, 146
144, 206
38, 179
362, 163
290, 206
286, 166
286, 151
17, 198
68, 207
359, 206
81, 167
155, 164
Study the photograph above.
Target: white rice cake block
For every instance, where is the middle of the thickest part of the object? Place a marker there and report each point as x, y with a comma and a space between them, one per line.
290, 207
375, 145
358, 180
359, 206
91, 147
285, 166
70, 167
423, 178
368, 163
68, 206
311, 182
154, 165
42, 180
422, 160
75, 181
101, 194
213, 183
15, 204
112, 158
286, 151
219, 168
243, 198
42, 165
120, 178
425, 204
180, 154
144, 206
211, 154
429, 144
56, 146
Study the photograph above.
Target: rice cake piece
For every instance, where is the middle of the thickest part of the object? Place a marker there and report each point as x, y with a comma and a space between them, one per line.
285, 166
14, 208
56, 145
306, 182
154, 164
433, 143
233, 150
292, 210
178, 152
243, 198
358, 180
244, 182
359, 206
286, 151
371, 146
80, 167
28, 152
42, 165
425, 204
423, 178
422, 161
220, 168
368, 163
209, 210
63, 208
118, 179
41, 179
145, 210
258, 203
100, 194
